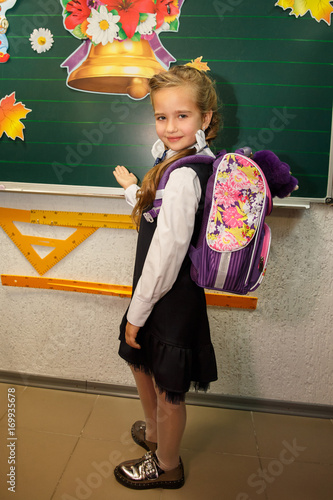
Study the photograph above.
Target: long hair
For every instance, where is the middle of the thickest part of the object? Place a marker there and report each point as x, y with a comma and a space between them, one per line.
206, 100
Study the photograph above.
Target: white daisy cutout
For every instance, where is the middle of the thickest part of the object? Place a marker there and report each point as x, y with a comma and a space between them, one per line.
102, 26
41, 40
147, 26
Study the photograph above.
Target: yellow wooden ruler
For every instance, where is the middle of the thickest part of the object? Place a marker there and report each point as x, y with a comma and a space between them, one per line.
66, 285
212, 299
81, 219
60, 247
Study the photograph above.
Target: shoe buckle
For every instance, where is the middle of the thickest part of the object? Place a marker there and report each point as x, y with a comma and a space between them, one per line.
149, 467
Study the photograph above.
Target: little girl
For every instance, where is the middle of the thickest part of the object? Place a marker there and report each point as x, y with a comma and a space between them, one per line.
164, 335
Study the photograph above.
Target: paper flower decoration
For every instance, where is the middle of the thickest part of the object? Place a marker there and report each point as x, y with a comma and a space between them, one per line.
320, 10
41, 40
147, 24
198, 64
11, 113
135, 18
102, 26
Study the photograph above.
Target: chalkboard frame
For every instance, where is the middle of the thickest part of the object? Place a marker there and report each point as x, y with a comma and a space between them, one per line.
183, 54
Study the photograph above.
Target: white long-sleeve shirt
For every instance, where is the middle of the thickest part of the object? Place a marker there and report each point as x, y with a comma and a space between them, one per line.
170, 243
172, 236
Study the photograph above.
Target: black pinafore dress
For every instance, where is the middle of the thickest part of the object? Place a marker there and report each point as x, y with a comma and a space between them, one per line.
175, 341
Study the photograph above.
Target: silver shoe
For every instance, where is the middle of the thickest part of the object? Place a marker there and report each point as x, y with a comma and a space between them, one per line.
145, 473
138, 432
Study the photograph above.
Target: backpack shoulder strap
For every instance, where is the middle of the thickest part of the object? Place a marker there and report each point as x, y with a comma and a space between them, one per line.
186, 160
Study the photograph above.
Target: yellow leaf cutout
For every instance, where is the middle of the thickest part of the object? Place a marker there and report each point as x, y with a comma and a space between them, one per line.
11, 113
198, 64
319, 9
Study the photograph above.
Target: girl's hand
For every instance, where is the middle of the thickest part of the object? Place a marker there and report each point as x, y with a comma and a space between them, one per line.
131, 334
124, 177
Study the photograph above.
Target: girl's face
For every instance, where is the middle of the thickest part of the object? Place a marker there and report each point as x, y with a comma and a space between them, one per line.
177, 117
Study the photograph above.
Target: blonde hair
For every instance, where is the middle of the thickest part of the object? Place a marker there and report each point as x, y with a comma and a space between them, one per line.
206, 101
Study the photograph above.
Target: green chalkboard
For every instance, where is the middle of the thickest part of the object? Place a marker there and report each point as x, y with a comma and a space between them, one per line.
273, 73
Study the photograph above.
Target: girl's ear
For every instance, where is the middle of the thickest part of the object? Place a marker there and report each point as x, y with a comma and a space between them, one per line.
207, 119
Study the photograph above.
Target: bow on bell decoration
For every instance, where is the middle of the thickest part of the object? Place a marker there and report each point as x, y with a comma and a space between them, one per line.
120, 47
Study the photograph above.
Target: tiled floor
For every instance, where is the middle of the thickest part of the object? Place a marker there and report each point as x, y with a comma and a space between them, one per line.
68, 444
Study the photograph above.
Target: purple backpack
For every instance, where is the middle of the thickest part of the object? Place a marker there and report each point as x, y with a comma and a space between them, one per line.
233, 245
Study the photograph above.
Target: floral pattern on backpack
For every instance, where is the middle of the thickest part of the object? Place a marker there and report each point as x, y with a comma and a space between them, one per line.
239, 195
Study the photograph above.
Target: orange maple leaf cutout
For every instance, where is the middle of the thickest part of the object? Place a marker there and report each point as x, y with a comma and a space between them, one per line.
11, 112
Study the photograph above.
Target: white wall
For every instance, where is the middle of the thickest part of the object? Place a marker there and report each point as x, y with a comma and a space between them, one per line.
282, 350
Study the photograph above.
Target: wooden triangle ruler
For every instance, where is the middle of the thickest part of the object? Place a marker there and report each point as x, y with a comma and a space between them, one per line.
25, 243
